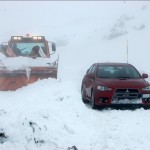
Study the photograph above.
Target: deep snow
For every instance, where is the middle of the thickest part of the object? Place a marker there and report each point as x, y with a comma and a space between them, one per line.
57, 119
49, 114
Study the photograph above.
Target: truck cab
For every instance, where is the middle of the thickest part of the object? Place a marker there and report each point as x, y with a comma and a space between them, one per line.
27, 59
27, 46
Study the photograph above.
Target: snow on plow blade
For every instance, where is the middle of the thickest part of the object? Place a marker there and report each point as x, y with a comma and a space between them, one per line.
12, 80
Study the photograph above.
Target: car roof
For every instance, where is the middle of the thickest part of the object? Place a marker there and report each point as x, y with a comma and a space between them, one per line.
113, 64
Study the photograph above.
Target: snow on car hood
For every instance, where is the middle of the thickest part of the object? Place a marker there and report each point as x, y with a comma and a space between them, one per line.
15, 63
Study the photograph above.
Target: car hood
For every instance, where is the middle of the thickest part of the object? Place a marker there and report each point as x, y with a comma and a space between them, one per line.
123, 83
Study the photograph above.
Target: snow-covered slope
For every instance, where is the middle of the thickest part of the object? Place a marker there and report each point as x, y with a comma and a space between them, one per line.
49, 114
105, 40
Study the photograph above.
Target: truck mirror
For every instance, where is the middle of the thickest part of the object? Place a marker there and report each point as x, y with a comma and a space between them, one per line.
3, 47
53, 47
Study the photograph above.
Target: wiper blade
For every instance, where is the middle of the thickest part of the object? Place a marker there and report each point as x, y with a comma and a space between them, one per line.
23, 48
104, 77
124, 77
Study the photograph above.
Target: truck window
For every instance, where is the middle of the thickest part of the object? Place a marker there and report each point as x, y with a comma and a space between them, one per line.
26, 48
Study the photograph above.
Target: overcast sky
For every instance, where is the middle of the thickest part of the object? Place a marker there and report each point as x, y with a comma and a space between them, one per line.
57, 19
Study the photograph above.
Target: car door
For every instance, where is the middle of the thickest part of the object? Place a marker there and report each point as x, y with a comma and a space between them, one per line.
90, 81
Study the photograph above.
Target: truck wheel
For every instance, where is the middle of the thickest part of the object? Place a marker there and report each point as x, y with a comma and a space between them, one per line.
83, 96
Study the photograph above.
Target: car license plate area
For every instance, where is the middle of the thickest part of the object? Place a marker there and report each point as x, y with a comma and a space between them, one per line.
127, 101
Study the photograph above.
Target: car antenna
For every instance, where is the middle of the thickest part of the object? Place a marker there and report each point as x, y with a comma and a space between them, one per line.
127, 51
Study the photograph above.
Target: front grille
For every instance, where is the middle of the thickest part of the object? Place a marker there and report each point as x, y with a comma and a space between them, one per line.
127, 90
126, 94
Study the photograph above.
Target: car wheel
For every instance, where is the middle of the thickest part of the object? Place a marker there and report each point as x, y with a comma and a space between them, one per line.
146, 107
93, 100
83, 96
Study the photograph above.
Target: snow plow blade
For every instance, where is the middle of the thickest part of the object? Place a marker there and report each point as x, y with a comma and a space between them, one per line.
13, 80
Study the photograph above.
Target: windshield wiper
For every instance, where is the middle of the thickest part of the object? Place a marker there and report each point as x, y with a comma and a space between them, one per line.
104, 77
23, 48
124, 77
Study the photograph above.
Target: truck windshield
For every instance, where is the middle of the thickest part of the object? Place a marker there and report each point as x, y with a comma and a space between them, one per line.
117, 72
26, 48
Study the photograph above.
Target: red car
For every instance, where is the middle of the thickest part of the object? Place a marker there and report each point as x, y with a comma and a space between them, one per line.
115, 84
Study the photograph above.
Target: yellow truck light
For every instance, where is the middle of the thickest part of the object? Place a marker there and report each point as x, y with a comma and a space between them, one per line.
34, 37
37, 37
17, 37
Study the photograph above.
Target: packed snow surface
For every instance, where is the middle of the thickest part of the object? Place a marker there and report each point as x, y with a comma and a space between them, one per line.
57, 119
49, 114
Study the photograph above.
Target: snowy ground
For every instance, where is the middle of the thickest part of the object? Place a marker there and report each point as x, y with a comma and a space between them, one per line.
57, 119
49, 114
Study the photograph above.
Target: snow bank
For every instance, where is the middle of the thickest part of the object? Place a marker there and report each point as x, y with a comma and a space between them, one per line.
57, 119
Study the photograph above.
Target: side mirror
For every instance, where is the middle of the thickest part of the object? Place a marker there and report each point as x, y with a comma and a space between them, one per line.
53, 47
3, 46
144, 75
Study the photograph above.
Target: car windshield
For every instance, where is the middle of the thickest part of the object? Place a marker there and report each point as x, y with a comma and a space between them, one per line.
26, 48
117, 72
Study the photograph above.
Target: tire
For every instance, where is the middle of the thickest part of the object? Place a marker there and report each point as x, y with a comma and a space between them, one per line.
84, 100
93, 100
146, 107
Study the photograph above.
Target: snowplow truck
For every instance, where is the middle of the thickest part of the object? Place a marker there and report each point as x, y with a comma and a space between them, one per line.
24, 60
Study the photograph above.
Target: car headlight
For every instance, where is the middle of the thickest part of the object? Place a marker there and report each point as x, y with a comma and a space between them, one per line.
103, 88
147, 88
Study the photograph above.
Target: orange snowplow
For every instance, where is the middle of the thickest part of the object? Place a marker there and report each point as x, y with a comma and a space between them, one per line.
24, 60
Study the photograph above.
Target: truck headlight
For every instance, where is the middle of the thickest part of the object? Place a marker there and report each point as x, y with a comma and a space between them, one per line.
147, 88
103, 88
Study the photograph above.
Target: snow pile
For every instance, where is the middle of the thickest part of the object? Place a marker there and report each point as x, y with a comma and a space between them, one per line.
14, 63
57, 119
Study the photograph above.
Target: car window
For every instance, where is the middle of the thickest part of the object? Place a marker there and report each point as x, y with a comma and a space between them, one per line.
93, 70
117, 72
90, 69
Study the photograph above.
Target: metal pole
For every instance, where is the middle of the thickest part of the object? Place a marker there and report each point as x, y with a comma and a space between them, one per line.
127, 51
